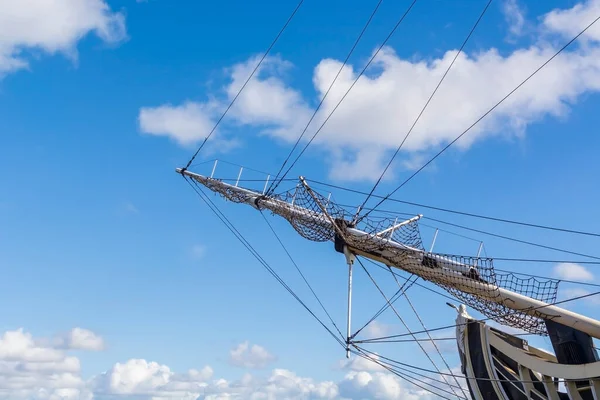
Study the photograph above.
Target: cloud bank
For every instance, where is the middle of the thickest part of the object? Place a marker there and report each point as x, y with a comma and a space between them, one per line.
43, 369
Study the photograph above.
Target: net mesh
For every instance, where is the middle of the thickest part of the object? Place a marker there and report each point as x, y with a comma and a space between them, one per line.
472, 280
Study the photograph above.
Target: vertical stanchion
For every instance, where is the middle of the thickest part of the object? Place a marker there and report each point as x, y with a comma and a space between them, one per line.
239, 176
214, 168
266, 183
433, 241
350, 261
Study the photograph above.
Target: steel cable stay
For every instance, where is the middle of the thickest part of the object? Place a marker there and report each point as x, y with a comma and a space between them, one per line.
428, 334
508, 238
580, 297
274, 183
512, 239
395, 370
256, 255
512, 259
266, 53
481, 118
397, 275
401, 319
447, 210
347, 91
383, 308
301, 274
458, 53
409, 371
391, 361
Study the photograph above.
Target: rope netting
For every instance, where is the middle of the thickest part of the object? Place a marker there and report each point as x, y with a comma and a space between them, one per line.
472, 280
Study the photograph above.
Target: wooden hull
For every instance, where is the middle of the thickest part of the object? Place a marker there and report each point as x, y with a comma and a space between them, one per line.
499, 366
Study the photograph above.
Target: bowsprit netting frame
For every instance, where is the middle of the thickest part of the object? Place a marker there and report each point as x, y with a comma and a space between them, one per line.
472, 280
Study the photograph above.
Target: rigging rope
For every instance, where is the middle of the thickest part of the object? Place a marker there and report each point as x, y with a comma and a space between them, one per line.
467, 214
274, 183
393, 299
402, 320
513, 239
301, 274
432, 341
458, 53
245, 83
253, 251
375, 340
347, 91
483, 116
392, 361
361, 352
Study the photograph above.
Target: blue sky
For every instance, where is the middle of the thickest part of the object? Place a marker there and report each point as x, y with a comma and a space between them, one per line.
101, 100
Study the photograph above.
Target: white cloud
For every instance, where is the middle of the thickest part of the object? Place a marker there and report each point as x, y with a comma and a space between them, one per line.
52, 26
376, 329
186, 123
384, 386
573, 272
31, 370
380, 108
247, 356
142, 378
84, 339
38, 369
356, 363
20, 346
571, 21
515, 17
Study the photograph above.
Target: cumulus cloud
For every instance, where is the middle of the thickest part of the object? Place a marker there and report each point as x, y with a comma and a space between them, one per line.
377, 329
30, 369
84, 339
381, 106
247, 356
51, 27
573, 272
357, 364
571, 21
42, 369
186, 123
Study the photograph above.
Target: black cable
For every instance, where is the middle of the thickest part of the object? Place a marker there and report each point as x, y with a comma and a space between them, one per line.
401, 320
458, 53
480, 320
530, 260
392, 361
408, 371
503, 220
245, 83
349, 89
361, 353
534, 260
251, 249
415, 283
274, 183
301, 274
513, 239
546, 277
483, 116
383, 308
